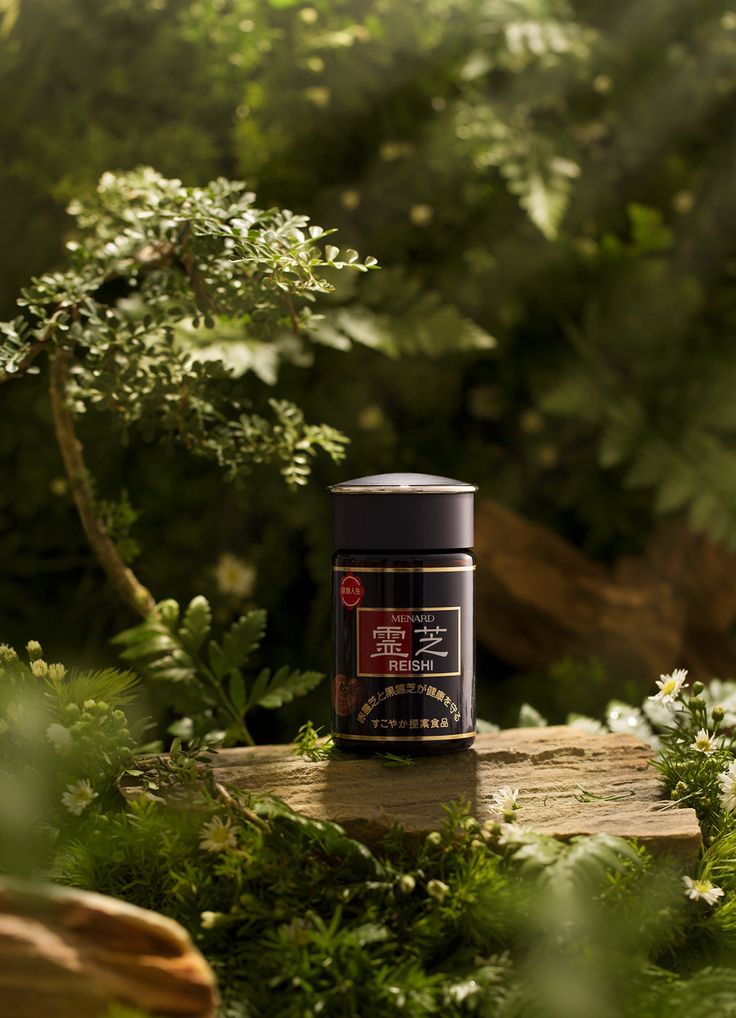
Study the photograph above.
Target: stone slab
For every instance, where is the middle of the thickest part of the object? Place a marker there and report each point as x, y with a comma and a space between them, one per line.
550, 766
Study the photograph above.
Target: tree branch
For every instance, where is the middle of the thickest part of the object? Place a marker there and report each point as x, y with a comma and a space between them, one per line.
292, 314
125, 582
203, 298
33, 351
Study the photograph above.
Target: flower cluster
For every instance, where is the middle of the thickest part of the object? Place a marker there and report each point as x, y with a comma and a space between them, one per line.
697, 750
66, 738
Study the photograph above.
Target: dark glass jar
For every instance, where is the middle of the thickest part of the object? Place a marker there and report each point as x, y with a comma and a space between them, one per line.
403, 637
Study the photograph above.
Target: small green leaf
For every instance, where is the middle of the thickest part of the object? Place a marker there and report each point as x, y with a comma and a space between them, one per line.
241, 640
168, 670
234, 734
137, 634
196, 623
260, 685
217, 659
183, 728
237, 691
284, 686
149, 644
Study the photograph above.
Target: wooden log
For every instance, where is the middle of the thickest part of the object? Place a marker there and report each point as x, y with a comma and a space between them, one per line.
702, 575
70, 954
551, 767
540, 599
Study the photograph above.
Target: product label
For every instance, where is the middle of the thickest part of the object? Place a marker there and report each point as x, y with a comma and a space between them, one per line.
404, 652
399, 640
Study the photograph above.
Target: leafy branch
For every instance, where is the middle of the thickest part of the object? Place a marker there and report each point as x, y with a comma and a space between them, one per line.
311, 745
164, 283
203, 679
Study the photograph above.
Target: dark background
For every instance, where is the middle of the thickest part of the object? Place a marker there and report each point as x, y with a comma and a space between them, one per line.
557, 176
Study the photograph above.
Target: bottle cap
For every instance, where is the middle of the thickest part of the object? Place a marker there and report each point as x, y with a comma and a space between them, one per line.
403, 512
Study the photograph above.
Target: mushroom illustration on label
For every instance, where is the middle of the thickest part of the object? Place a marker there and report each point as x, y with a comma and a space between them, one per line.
346, 696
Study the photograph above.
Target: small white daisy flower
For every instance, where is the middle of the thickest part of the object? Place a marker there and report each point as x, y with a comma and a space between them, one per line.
702, 890
727, 781
622, 717
78, 796
506, 800
670, 686
510, 835
60, 737
586, 724
39, 668
56, 672
234, 576
722, 693
705, 742
661, 715
218, 836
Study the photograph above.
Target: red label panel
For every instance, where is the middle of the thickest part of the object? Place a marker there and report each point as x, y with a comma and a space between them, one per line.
412, 641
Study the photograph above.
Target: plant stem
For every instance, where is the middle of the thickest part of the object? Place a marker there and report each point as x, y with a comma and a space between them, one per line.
250, 741
220, 693
204, 300
125, 582
292, 314
239, 807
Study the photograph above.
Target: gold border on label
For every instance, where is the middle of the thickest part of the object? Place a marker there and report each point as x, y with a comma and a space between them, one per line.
403, 738
403, 569
406, 676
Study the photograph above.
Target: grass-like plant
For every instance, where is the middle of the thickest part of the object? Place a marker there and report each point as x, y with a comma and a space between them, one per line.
299, 919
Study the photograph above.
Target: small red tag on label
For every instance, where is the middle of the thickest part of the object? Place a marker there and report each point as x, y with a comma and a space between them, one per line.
351, 591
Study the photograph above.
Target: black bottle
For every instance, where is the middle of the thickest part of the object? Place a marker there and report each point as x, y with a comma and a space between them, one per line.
402, 596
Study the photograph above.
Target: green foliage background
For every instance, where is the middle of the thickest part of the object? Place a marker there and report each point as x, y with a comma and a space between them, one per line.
557, 176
